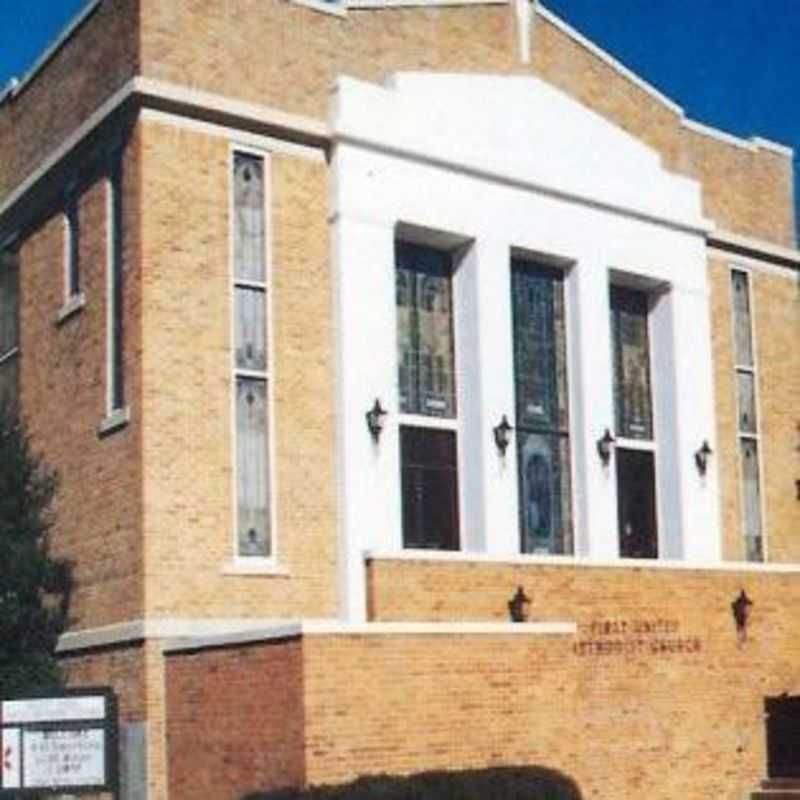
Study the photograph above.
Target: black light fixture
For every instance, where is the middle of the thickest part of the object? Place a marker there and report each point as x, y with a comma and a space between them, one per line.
741, 614
604, 445
701, 457
519, 606
375, 419
502, 435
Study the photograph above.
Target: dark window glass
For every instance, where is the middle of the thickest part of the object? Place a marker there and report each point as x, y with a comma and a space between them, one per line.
631, 352
540, 381
9, 330
636, 504
748, 449
116, 295
74, 246
429, 487
426, 373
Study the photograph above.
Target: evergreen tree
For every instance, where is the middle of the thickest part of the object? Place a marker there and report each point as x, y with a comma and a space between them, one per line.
34, 587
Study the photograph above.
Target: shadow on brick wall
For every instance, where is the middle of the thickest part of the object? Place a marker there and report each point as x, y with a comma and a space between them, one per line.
500, 783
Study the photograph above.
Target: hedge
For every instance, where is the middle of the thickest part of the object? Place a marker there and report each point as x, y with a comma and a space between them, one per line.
500, 783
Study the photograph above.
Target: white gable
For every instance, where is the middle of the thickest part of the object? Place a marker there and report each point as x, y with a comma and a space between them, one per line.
518, 129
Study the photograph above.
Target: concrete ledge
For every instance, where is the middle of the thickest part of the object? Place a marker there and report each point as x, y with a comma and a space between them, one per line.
521, 560
324, 627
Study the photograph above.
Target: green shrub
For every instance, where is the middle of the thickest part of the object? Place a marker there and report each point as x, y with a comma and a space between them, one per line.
499, 783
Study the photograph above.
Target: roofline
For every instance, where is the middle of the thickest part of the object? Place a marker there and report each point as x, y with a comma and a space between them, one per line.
340, 9
16, 86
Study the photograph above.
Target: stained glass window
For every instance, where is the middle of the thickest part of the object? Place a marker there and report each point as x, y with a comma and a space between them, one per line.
116, 296
426, 373
251, 363
746, 383
540, 381
429, 487
633, 412
73, 246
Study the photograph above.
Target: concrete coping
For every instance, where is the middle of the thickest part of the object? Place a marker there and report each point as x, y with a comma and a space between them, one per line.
324, 627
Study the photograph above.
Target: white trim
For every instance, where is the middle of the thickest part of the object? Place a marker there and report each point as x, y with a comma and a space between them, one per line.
253, 566
702, 226
16, 86
255, 140
8, 355
114, 420
325, 627
777, 147
720, 239
72, 305
191, 103
364, 5
786, 273
183, 633
335, 9
533, 560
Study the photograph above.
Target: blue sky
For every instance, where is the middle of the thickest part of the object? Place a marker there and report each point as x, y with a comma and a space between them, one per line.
732, 64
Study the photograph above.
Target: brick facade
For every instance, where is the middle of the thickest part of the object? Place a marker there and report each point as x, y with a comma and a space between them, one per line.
145, 512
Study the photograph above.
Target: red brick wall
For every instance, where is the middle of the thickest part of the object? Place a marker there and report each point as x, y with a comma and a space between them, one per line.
235, 720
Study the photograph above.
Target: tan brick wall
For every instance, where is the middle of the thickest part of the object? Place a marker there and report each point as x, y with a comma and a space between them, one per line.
289, 56
776, 310
188, 446
62, 396
673, 710
91, 65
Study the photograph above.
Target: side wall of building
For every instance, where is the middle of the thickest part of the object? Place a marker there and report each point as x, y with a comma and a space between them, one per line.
188, 455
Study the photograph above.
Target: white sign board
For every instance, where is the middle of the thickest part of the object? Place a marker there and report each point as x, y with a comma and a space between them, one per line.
9, 749
50, 709
64, 758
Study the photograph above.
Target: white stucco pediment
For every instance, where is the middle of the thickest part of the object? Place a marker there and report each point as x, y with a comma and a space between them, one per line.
517, 129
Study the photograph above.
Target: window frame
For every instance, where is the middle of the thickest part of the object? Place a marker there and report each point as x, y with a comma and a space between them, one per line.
240, 563
621, 281
741, 435
73, 296
433, 422
12, 355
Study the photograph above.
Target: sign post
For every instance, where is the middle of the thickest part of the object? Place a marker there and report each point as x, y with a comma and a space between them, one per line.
62, 742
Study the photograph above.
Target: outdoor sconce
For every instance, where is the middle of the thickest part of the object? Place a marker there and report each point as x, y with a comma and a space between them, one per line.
701, 457
375, 419
502, 435
741, 614
519, 606
604, 445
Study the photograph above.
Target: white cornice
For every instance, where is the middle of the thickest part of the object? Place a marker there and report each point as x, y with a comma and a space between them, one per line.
755, 248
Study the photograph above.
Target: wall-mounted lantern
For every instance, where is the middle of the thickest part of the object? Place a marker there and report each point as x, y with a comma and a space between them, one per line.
519, 606
502, 435
741, 607
375, 417
604, 445
701, 457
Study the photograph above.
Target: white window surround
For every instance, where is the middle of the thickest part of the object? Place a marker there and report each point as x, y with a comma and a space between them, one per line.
240, 565
753, 370
74, 300
564, 203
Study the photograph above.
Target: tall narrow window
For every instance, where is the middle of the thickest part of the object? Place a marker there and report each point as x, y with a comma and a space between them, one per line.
747, 423
426, 379
540, 384
635, 451
115, 293
251, 375
9, 331
72, 248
